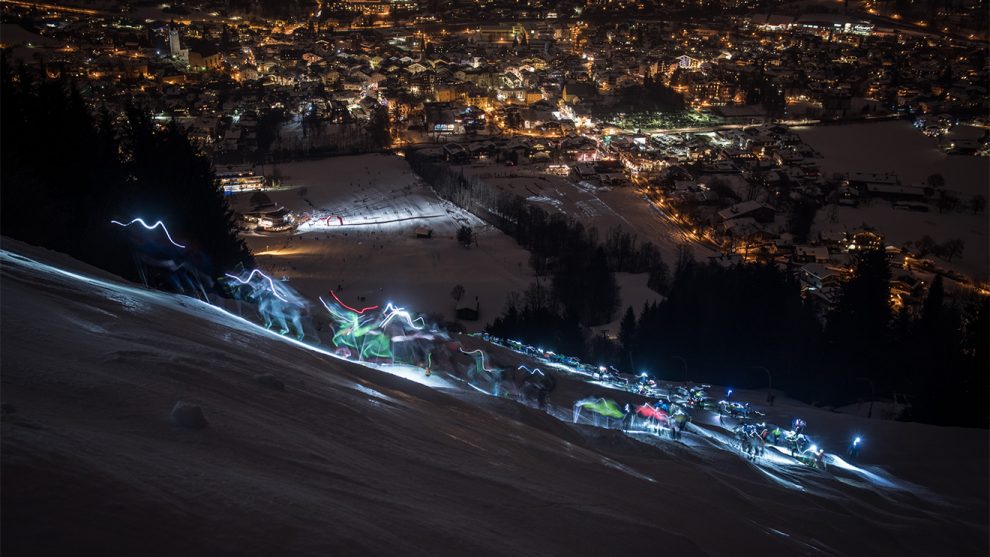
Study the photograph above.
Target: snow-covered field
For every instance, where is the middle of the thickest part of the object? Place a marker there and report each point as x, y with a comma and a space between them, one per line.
602, 208
895, 147
554, 194
375, 254
909, 226
357, 460
898, 148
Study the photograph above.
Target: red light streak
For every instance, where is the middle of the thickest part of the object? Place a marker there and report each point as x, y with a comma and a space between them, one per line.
359, 312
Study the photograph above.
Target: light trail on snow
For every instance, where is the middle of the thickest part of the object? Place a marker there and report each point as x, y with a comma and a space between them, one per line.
531, 371
481, 363
771, 459
150, 227
271, 283
405, 372
781, 481
392, 311
357, 311
838, 462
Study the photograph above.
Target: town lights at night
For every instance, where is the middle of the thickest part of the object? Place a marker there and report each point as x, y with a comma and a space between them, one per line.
273, 270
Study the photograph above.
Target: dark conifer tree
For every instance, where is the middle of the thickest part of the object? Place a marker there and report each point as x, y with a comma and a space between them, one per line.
66, 175
627, 335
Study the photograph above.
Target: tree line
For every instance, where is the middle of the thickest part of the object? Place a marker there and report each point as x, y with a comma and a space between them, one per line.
576, 268
67, 173
734, 325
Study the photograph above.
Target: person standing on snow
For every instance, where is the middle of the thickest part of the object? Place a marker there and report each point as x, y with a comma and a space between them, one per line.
820, 459
680, 421
854, 448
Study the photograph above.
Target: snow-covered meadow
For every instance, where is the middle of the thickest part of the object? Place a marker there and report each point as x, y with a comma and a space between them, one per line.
360, 239
604, 208
898, 148
375, 254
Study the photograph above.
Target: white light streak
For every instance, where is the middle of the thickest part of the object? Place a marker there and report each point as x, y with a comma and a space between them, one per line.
271, 283
151, 227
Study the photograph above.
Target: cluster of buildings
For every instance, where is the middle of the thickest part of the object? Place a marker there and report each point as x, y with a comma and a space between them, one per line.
219, 74
602, 102
750, 194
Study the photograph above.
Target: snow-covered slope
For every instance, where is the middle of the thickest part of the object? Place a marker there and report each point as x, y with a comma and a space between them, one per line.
375, 252
351, 460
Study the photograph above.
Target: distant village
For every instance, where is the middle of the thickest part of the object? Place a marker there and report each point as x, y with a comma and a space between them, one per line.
694, 114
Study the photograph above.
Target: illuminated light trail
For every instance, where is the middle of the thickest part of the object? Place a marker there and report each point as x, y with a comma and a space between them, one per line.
876, 479
271, 282
481, 361
781, 481
18, 260
23, 268
355, 332
605, 407
326, 305
477, 388
531, 371
357, 311
152, 227
391, 311
314, 223
648, 411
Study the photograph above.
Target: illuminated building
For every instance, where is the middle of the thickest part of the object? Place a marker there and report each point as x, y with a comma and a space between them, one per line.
241, 178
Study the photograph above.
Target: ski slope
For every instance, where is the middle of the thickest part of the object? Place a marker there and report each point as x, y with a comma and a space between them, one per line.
353, 459
375, 252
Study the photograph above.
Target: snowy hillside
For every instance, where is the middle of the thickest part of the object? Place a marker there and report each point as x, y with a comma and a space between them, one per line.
355, 460
361, 237
372, 249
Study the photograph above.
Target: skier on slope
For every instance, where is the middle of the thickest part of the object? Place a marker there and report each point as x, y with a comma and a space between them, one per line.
775, 435
680, 422
799, 425
854, 448
819, 459
761, 443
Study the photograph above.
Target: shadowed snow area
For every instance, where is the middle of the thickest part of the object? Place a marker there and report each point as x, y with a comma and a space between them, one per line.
356, 460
